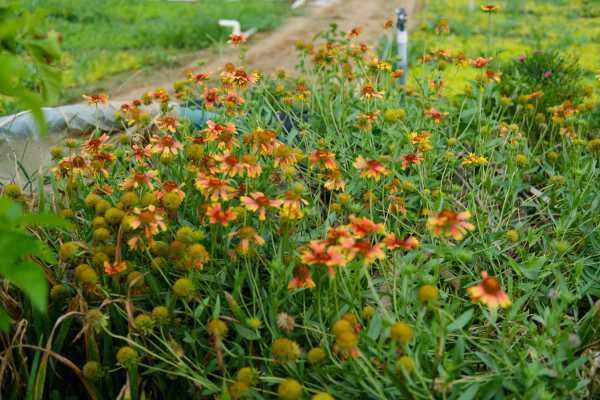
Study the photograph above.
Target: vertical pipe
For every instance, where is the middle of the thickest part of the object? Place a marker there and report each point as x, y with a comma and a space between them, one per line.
471, 5
402, 40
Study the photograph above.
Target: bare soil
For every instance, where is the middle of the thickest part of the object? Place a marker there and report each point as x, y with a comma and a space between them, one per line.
273, 50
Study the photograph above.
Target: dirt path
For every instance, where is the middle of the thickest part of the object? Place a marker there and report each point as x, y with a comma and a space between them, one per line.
267, 52
273, 50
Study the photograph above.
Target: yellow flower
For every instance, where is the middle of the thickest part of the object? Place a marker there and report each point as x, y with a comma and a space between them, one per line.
368, 312
285, 350
183, 287
68, 251
427, 293
405, 364
289, 389
126, 355
247, 375
401, 333
474, 159
322, 396
341, 326
237, 390
217, 328
512, 235
347, 341
316, 355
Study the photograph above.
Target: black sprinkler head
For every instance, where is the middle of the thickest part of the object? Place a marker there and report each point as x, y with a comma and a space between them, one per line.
402, 18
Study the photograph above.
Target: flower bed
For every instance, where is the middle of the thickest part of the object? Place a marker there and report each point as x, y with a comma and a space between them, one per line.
326, 235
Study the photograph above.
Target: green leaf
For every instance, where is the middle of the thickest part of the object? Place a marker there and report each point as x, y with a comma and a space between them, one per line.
375, 327
470, 393
28, 277
576, 364
488, 361
246, 332
10, 211
4, 320
14, 245
44, 219
461, 321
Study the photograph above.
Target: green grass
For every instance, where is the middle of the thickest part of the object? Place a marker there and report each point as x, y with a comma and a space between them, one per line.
573, 27
105, 37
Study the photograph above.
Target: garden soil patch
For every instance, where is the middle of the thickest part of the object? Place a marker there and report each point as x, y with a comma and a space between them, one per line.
271, 51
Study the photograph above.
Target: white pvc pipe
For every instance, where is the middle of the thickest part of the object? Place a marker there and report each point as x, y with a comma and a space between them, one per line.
471, 5
298, 3
235, 26
402, 40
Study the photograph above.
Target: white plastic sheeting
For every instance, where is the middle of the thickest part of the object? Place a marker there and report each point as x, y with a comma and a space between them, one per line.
83, 118
21, 147
76, 118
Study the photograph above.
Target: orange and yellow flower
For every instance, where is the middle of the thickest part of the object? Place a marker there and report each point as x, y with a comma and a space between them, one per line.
140, 178
480, 62
258, 202
165, 145
251, 166
372, 169
393, 243
284, 155
214, 188
167, 123
235, 39
218, 215
93, 146
450, 224
141, 153
436, 115
261, 140
323, 157
318, 252
411, 159
490, 8
248, 237
474, 159
114, 267
361, 227
150, 219
368, 91
302, 278
215, 130
229, 165
534, 95
96, 99
419, 138
291, 208
493, 75
335, 181
355, 32
171, 187
489, 292
370, 252
210, 98
238, 77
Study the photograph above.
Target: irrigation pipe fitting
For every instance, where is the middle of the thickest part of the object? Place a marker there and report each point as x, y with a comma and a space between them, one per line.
236, 27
